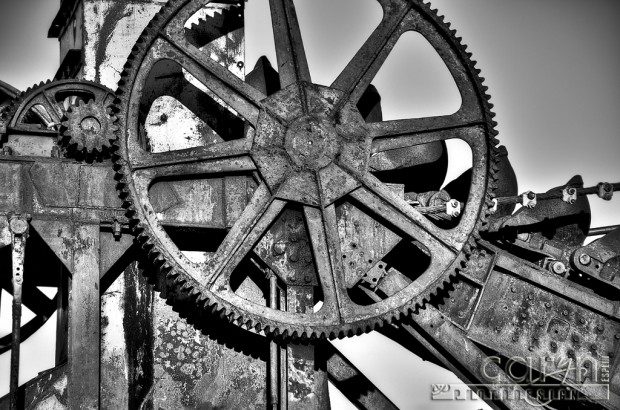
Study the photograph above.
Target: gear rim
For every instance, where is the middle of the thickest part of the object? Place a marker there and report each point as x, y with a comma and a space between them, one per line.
190, 286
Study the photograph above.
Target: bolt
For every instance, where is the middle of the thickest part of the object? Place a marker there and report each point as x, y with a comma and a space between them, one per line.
55, 151
572, 191
6, 150
461, 315
565, 312
240, 64
558, 268
554, 344
582, 321
531, 195
585, 259
530, 297
523, 315
547, 305
541, 324
617, 336
513, 289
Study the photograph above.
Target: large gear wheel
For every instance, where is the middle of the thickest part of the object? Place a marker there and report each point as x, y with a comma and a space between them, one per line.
309, 149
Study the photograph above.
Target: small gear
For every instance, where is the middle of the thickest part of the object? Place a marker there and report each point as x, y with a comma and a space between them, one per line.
88, 127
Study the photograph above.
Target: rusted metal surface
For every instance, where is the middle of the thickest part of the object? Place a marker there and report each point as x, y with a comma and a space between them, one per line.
308, 183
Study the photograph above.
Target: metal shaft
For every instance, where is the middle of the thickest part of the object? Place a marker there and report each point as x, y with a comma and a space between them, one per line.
274, 351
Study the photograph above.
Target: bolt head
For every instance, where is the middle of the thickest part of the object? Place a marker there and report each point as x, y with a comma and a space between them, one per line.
558, 268
585, 259
18, 226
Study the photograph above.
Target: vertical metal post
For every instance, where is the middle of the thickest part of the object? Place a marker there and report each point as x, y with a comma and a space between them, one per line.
83, 344
274, 351
18, 225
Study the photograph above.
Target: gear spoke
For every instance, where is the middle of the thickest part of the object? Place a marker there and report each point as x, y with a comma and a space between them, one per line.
389, 135
192, 157
290, 53
260, 213
385, 204
325, 242
360, 71
204, 167
241, 97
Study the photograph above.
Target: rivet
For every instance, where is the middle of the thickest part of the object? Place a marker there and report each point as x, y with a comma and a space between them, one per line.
593, 347
575, 338
531, 348
513, 289
617, 336
541, 324
565, 312
554, 344
547, 304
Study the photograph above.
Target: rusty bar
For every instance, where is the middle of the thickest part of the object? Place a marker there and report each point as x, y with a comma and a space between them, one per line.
62, 316
283, 362
84, 317
273, 347
19, 232
602, 230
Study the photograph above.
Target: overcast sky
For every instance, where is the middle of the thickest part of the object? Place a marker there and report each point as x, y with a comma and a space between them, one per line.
551, 67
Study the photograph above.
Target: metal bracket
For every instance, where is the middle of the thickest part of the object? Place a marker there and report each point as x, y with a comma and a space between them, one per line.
605, 191
569, 195
528, 199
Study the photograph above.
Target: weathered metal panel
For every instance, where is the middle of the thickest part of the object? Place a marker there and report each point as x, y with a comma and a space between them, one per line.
56, 183
97, 187
11, 181
522, 320
111, 28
